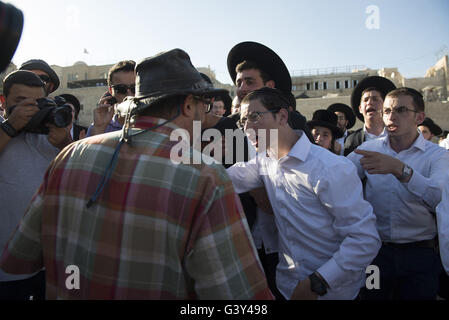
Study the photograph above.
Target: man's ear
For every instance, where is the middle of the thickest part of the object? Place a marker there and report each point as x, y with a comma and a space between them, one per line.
110, 89
187, 106
270, 84
283, 116
420, 116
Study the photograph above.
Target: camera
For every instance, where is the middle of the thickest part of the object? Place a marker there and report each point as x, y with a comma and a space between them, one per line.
55, 112
11, 25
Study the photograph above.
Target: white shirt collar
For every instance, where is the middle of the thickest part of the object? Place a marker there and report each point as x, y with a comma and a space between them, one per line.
301, 148
373, 136
420, 143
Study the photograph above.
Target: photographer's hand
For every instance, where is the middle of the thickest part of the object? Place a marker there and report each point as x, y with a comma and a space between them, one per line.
103, 114
59, 137
22, 113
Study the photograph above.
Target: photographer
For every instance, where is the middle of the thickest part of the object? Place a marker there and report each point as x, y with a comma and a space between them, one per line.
45, 73
24, 157
121, 83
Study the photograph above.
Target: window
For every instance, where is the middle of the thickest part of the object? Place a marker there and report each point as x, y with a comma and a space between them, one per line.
317, 85
337, 84
346, 84
354, 83
293, 88
324, 85
308, 86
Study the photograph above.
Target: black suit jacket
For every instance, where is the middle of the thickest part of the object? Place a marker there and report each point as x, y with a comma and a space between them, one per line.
354, 140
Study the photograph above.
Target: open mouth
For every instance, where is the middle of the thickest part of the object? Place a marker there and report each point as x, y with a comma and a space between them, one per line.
371, 111
392, 127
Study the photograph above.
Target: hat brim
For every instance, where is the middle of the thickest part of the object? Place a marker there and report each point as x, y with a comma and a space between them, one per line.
155, 97
340, 107
380, 83
51, 73
433, 127
336, 132
266, 58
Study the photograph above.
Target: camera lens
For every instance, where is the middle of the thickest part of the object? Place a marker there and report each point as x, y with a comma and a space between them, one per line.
62, 116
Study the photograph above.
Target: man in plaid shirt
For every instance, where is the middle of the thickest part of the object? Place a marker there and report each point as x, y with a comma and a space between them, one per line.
151, 229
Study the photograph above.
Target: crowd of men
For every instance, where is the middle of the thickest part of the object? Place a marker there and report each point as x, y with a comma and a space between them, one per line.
309, 207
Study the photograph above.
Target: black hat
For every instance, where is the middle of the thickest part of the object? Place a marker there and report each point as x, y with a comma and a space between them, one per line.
327, 119
222, 97
266, 58
380, 83
168, 74
206, 77
11, 26
227, 103
341, 107
292, 100
433, 127
70, 98
36, 64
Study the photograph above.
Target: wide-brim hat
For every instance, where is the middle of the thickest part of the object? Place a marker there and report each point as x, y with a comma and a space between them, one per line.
265, 58
433, 127
327, 119
169, 74
36, 64
70, 98
380, 83
341, 107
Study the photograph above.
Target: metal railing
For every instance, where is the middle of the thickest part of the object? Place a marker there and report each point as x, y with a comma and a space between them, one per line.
325, 71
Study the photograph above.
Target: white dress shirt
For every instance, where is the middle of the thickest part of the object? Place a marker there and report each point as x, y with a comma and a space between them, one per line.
324, 223
442, 213
264, 231
405, 211
370, 136
445, 143
341, 141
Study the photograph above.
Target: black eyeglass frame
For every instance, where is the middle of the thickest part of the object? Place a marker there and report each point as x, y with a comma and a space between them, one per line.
398, 110
241, 124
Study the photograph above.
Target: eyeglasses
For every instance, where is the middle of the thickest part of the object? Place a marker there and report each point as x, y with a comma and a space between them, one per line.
399, 110
253, 117
206, 101
123, 88
45, 79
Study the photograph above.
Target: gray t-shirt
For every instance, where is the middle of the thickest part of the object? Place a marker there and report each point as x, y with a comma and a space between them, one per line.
23, 163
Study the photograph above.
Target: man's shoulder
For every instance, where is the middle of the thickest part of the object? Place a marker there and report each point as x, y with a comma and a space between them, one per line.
323, 160
353, 141
353, 135
435, 150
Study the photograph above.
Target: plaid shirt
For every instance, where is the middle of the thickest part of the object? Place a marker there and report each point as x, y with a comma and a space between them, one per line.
157, 231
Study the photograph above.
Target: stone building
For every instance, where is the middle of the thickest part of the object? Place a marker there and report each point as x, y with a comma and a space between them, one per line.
89, 83
323, 86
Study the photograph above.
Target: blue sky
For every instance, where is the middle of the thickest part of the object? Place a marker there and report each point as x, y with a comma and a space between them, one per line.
305, 33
